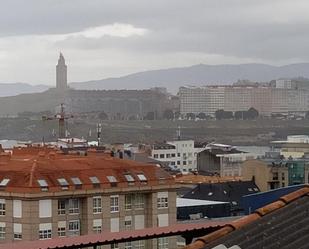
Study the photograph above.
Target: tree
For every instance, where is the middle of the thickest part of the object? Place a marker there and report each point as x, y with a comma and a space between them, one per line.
103, 115
202, 115
240, 115
190, 116
219, 114
168, 114
252, 113
150, 116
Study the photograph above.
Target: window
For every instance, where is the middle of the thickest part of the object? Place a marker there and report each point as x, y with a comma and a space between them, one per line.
113, 181
128, 201
139, 200
97, 226
155, 156
97, 204
128, 245
178, 154
184, 163
4, 182
95, 181
114, 225
178, 162
63, 183
74, 228
161, 155
129, 179
2, 230
77, 182
43, 184
142, 177
184, 155
17, 228
114, 246
282, 176
2, 207
45, 208
61, 206
173, 155
163, 243
162, 200
168, 155
61, 228
73, 206
45, 231
190, 154
114, 203
128, 222
173, 163
140, 244
17, 208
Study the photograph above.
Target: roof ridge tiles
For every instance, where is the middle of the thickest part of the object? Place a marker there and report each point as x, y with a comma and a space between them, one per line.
237, 224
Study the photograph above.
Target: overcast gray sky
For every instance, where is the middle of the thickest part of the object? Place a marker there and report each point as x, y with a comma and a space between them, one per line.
101, 39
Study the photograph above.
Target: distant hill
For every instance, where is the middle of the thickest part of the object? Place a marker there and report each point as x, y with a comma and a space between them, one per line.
13, 89
198, 75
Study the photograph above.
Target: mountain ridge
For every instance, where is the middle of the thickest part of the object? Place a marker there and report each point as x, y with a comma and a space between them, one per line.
174, 77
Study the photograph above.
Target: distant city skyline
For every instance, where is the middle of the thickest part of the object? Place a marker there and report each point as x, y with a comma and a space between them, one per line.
102, 39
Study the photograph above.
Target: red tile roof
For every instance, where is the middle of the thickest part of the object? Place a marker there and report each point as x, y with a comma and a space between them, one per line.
108, 237
25, 166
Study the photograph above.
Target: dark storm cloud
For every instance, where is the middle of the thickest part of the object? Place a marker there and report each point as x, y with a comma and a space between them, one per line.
272, 31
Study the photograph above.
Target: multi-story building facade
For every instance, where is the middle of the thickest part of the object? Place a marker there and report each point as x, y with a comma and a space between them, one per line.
178, 154
46, 194
222, 160
265, 99
273, 173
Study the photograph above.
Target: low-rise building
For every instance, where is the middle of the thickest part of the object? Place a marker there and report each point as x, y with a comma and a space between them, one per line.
46, 194
179, 154
222, 160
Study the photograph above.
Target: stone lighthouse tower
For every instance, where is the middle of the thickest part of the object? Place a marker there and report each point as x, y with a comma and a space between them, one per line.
61, 74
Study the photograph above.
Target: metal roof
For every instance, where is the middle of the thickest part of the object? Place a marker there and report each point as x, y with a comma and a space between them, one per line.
108, 237
185, 202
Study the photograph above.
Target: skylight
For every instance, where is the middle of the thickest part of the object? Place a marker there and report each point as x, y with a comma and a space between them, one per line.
94, 180
111, 179
63, 182
142, 177
42, 183
4, 182
129, 178
76, 181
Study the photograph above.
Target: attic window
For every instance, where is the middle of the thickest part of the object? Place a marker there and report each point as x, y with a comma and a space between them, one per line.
113, 181
77, 182
256, 189
210, 193
142, 177
129, 179
234, 203
250, 189
4, 182
224, 192
63, 183
95, 181
43, 184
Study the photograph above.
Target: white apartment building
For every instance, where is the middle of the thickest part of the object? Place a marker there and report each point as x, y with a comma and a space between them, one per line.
178, 154
267, 100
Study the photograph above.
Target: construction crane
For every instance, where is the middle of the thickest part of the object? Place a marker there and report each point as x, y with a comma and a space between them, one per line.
61, 117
